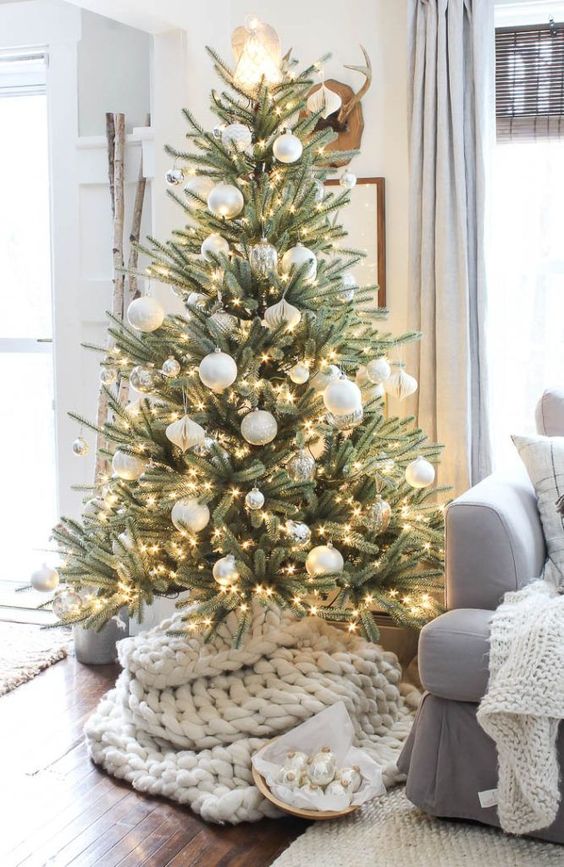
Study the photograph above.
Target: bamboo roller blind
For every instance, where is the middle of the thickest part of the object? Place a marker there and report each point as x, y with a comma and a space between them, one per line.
530, 82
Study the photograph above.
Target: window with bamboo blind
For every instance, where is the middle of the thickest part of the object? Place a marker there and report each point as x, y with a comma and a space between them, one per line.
530, 82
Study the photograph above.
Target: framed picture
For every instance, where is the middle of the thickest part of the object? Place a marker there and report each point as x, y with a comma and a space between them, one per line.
365, 221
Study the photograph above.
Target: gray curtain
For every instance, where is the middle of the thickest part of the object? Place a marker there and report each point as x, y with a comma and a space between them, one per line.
451, 55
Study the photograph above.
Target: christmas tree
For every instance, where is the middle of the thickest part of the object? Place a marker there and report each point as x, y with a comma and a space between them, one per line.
258, 465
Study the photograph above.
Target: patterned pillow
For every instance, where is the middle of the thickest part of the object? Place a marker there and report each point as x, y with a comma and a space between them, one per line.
544, 460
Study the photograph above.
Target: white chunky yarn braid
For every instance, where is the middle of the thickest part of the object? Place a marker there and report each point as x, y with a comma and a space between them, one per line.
524, 704
185, 717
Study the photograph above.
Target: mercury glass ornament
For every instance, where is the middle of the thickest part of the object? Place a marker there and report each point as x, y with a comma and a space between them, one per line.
225, 571
322, 766
263, 258
289, 777
380, 513
171, 367
197, 299
108, 375
347, 180
301, 466
295, 760
350, 778
143, 379
225, 322
174, 177
66, 602
298, 532
346, 422
80, 447
254, 500
204, 448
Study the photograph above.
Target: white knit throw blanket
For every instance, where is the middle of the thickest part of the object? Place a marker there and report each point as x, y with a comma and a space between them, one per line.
524, 704
185, 717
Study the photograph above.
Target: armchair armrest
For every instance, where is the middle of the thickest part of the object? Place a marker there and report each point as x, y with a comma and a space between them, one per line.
494, 541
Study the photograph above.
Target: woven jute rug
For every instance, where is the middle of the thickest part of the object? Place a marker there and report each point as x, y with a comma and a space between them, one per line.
26, 650
391, 832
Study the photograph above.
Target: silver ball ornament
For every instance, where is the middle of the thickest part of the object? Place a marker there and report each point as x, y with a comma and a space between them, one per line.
348, 287
254, 500
301, 466
80, 447
263, 258
379, 515
171, 367
45, 579
287, 148
299, 373
319, 194
298, 532
128, 467
197, 299
108, 376
225, 322
259, 427
174, 177
66, 603
347, 180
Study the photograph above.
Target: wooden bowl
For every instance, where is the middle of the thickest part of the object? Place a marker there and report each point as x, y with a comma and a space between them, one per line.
316, 815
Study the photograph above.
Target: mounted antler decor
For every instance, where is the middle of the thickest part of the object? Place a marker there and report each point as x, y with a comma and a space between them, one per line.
342, 110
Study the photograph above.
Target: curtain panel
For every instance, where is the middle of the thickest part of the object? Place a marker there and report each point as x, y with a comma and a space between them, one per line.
452, 122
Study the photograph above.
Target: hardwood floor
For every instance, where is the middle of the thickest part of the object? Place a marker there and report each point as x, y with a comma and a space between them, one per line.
57, 808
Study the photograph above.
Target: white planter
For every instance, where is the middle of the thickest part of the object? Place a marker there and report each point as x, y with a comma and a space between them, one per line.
98, 648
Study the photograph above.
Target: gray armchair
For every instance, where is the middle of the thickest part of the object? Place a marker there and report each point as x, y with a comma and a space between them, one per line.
494, 543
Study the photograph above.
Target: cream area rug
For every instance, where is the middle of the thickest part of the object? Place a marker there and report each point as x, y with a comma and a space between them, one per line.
391, 832
26, 650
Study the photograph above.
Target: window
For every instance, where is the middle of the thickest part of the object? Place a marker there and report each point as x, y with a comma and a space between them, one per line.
526, 303
27, 438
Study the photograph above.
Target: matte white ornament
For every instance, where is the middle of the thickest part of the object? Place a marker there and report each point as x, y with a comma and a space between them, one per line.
347, 180
66, 602
174, 177
237, 134
348, 287
225, 322
80, 447
378, 370
226, 200
259, 427
145, 314
299, 373
189, 514
218, 371
225, 571
324, 100
297, 256
201, 186
400, 384
342, 397
420, 473
282, 313
185, 433
298, 532
287, 148
45, 579
254, 500
128, 467
214, 245
171, 367
324, 560
324, 376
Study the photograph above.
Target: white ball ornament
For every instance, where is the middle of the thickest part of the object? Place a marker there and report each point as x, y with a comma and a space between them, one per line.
297, 256
254, 500
225, 571
287, 148
237, 134
189, 514
128, 467
299, 373
420, 473
214, 245
378, 370
259, 427
324, 560
282, 314
324, 376
45, 579
201, 186
342, 397
145, 314
185, 433
218, 371
347, 180
400, 384
226, 200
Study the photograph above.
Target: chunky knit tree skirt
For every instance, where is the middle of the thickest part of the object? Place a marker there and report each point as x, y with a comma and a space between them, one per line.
185, 717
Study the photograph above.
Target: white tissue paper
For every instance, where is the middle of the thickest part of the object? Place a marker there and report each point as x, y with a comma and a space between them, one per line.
331, 727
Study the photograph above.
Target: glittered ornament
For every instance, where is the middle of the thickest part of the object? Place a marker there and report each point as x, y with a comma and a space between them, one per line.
298, 532
287, 148
80, 447
350, 778
238, 135
301, 466
378, 370
226, 200
174, 177
218, 371
282, 314
185, 433
379, 515
347, 180
324, 560
225, 322
201, 186
225, 571
348, 287
214, 245
342, 397
324, 376
128, 467
259, 427
171, 367
321, 767
209, 447
189, 514
145, 314
66, 603
420, 473
299, 373
346, 422
44, 579
297, 256
108, 375
254, 500
263, 258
